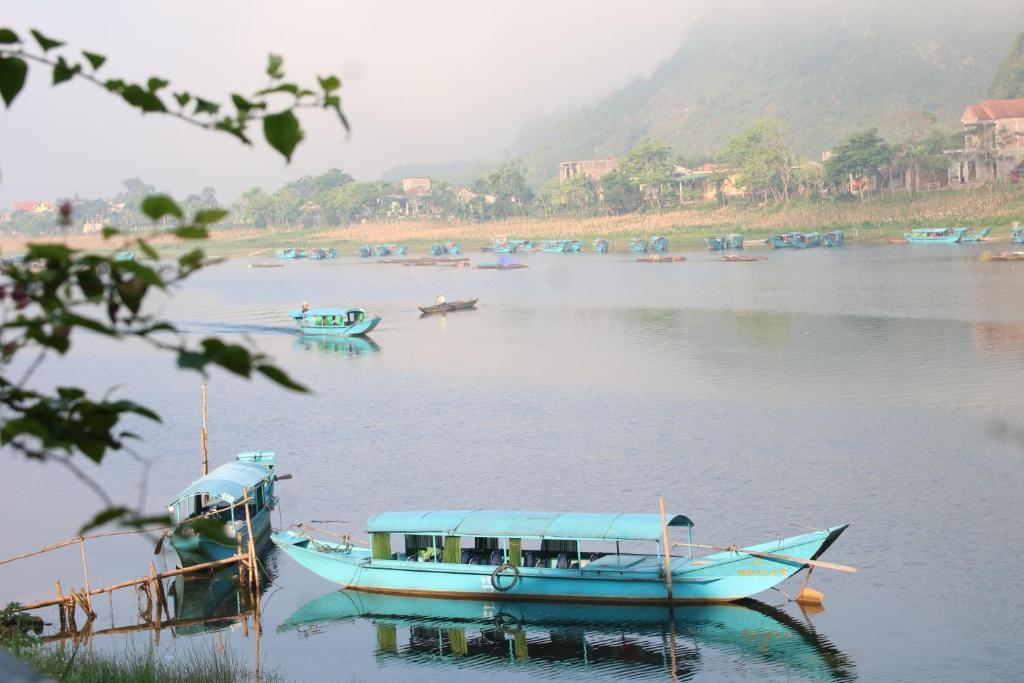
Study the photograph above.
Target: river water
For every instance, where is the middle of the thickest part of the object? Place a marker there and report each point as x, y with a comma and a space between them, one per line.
875, 386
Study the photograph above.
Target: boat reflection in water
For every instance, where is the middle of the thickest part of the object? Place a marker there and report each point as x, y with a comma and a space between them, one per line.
216, 601
336, 345
634, 642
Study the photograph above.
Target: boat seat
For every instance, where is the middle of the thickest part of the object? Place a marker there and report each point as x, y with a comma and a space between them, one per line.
529, 560
563, 561
496, 558
474, 560
466, 556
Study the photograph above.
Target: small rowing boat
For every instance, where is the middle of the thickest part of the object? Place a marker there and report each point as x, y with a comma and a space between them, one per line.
491, 265
556, 557
737, 258
1003, 256
660, 258
443, 306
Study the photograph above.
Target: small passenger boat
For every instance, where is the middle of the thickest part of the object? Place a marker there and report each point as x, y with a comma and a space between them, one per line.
638, 245
319, 254
738, 258
124, 256
783, 240
600, 246
1017, 233
660, 258
365, 251
834, 238
575, 246
659, 244
935, 235
551, 556
807, 240
443, 306
555, 246
343, 321
502, 245
291, 253
716, 243
220, 495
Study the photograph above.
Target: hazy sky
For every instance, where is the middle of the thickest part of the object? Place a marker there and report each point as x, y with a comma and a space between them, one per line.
424, 82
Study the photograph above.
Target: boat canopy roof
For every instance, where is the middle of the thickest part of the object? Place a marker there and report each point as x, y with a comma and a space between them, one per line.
227, 482
560, 525
327, 311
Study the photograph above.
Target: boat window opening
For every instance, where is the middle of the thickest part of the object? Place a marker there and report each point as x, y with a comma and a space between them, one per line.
259, 498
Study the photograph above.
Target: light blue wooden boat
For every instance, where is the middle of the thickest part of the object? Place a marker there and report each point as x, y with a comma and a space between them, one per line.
734, 241
630, 640
659, 244
337, 321
834, 238
638, 245
575, 246
976, 236
291, 253
365, 251
437, 249
715, 243
540, 556
318, 254
783, 240
600, 246
807, 240
124, 256
935, 235
502, 245
218, 495
453, 248
525, 245
389, 250
1017, 234
555, 246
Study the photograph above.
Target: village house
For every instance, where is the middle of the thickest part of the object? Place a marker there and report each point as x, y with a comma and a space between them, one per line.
35, 206
993, 148
594, 168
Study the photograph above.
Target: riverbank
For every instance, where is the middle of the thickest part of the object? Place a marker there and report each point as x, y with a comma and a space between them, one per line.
865, 221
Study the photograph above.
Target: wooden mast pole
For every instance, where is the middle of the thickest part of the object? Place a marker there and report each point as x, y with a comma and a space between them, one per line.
666, 548
202, 438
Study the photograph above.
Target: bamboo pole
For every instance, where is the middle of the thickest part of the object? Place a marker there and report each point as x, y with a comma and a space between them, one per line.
63, 608
202, 438
253, 569
666, 548
141, 581
85, 571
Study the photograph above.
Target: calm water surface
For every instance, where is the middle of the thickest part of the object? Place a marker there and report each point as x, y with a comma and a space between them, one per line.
862, 385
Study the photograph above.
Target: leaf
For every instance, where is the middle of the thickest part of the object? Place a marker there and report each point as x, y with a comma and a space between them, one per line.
8, 36
44, 42
191, 232
109, 231
229, 126
284, 87
282, 132
334, 102
191, 260
145, 100
156, 206
62, 71
205, 106
182, 98
94, 59
56, 252
103, 517
140, 271
274, 64
278, 376
155, 84
207, 216
149, 251
231, 357
330, 83
12, 78
212, 529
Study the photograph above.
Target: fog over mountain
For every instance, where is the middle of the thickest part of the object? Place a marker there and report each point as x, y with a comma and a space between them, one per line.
424, 82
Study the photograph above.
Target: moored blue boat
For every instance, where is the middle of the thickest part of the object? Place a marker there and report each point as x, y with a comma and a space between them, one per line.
935, 235
575, 246
734, 241
976, 236
365, 251
715, 243
807, 240
783, 240
540, 556
1017, 233
600, 246
502, 245
437, 249
339, 321
555, 246
220, 495
638, 245
319, 254
124, 256
659, 244
834, 238
291, 253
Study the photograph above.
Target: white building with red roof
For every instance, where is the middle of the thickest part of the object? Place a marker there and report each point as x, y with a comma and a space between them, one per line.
993, 143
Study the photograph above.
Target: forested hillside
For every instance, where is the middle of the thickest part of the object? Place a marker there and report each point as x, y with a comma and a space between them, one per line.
1009, 80
823, 72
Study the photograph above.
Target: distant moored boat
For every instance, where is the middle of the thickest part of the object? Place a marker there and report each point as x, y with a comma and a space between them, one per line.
638, 245
600, 246
835, 238
935, 235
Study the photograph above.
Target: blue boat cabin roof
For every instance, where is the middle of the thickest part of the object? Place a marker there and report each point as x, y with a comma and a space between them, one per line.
327, 311
227, 482
560, 525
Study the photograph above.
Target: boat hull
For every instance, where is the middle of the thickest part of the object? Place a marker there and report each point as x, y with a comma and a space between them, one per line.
447, 307
626, 579
193, 549
362, 327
